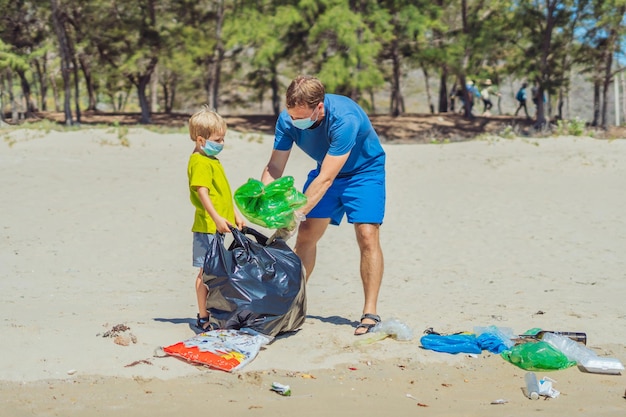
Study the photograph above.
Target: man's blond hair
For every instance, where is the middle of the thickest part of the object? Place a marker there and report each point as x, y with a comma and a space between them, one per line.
205, 123
305, 90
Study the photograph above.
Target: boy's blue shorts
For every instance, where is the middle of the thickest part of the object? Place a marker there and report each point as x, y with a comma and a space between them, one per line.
361, 198
201, 244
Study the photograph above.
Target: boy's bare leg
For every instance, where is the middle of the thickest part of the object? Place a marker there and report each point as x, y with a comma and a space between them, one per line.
201, 292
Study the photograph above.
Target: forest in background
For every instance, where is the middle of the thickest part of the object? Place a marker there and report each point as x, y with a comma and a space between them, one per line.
169, 56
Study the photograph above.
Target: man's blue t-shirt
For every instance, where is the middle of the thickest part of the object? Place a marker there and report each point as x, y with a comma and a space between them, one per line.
344, 129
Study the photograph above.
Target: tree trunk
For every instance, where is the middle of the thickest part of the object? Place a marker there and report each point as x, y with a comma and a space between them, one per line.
429, 96
14, 112
168, 82
41, 69
546, 51
170, 105
55, 92
605, 101
596, 103
395, 108
275, 86
1, 100
58, 21
218, 56
91, 90
141, 81
623, 83
76, 88
26, 91
443, 91
559, 110
154, 88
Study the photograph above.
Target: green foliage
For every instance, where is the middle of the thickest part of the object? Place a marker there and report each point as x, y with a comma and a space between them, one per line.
575, 127
346, 54
355, 47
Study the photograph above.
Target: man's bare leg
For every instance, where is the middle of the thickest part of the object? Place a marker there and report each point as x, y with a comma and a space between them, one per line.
372, 267
309, 233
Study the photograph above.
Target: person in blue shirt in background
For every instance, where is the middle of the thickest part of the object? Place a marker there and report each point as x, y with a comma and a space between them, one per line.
349, 178
521, 98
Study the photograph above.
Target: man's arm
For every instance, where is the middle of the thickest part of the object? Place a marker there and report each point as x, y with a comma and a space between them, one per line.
275, 167
328, 172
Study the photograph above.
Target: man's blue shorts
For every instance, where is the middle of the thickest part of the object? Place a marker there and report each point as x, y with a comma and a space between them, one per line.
201, 244
360, 197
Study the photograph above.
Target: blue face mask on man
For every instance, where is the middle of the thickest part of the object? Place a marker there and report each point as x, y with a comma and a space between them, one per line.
306, 123
212, 148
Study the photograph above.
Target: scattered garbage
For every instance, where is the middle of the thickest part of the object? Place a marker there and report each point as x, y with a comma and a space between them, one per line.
542, 387
536, 349
536, 356
281, 389
393, 328
499, 401
546, 389
453, 343
226, 350
538, 334
492, 338
586, 358
532, 386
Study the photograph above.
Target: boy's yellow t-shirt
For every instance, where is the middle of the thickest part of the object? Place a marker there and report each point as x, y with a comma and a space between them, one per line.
204, 171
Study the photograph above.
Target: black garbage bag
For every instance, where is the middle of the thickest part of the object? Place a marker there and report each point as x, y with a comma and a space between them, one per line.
254, 284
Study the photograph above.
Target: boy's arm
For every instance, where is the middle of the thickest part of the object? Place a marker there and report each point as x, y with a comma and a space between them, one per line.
239, 220
221, 223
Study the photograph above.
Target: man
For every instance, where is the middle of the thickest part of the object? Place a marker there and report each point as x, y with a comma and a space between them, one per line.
349, 178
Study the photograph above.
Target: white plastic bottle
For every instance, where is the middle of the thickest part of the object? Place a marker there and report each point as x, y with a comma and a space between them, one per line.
532, 386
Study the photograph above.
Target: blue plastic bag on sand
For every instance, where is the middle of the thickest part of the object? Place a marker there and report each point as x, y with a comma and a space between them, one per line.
491, 342
453, 343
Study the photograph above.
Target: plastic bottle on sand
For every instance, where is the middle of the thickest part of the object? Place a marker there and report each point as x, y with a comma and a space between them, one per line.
532, 386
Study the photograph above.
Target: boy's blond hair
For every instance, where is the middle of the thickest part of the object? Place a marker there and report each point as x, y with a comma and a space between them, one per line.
205, 123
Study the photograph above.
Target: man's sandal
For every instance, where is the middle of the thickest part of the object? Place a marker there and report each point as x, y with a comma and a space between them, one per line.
204, 323
367, 326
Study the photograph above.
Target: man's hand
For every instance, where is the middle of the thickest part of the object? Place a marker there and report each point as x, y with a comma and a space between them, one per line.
287, 233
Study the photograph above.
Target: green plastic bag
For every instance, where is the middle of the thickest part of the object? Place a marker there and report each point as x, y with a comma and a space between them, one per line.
270, 205
535, 356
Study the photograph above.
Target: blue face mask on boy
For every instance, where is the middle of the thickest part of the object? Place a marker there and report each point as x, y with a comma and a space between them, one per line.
212, 148
306, 123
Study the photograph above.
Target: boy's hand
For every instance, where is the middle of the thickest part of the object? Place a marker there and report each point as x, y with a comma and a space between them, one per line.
240, 221
222, 225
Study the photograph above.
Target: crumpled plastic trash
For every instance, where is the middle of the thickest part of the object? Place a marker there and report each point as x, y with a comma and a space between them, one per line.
272, 205
284, 390
452, 343
536, 356
393, 328
546, 387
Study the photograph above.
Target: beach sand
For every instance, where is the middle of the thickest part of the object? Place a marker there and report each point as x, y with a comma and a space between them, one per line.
517, 233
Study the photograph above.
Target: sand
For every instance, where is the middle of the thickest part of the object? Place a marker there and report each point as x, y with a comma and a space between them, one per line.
516, 233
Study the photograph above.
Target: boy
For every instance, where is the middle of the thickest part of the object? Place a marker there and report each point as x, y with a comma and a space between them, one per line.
210, 194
